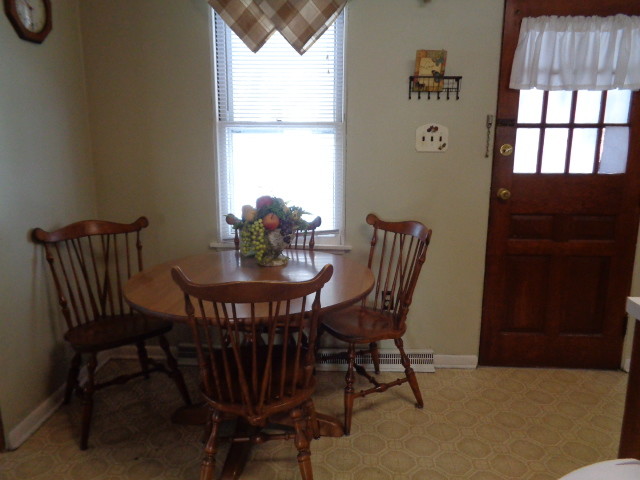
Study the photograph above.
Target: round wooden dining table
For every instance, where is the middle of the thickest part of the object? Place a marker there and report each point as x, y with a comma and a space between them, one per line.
154, 293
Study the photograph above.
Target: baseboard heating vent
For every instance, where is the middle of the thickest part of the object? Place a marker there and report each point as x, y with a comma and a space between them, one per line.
329, 361
421, 360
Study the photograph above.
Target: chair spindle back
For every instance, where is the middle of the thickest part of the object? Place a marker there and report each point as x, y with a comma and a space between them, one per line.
305, 239
254, 341
398, 251
90, 262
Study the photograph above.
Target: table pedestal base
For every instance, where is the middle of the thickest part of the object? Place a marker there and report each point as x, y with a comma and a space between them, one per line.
239, 452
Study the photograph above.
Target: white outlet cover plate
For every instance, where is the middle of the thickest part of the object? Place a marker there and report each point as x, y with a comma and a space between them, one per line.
432, 137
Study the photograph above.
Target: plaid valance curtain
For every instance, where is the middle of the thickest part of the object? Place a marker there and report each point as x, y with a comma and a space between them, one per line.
301, 22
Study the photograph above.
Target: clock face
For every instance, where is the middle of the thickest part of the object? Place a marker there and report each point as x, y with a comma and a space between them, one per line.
31, 19
32, 14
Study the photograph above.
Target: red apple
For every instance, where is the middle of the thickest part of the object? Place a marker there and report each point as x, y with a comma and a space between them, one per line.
270, 221
264, 201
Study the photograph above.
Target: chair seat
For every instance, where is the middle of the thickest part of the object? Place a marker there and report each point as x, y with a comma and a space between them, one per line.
622, 469
359, 324
115, 331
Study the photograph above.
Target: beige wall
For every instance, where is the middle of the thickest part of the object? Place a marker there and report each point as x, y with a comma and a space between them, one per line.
46, 180
148, 66
149, 77
446, 191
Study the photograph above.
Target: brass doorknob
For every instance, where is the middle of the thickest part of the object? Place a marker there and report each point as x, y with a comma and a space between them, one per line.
503, 194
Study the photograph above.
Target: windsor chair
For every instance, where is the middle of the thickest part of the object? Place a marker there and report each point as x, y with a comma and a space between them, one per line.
255, 348
90, 261
397, 253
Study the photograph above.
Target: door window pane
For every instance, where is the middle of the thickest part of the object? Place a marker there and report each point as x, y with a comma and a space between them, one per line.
595, 123
583, 150
559, 106
554, 152
614, 150
617, 110
588, 106
530, 106
525, 158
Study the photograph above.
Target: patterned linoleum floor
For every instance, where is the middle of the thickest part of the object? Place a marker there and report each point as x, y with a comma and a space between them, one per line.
483, 424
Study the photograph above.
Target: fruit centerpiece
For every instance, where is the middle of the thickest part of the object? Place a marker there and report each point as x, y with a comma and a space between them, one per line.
266, 229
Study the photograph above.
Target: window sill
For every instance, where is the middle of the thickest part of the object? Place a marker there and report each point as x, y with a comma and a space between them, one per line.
320, 248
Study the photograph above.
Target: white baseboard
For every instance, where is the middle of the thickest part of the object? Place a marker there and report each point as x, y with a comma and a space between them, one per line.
456, 361
21, 432
626, 365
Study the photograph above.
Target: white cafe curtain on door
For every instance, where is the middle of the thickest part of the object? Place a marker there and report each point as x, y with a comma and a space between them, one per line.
577, 53
301, 22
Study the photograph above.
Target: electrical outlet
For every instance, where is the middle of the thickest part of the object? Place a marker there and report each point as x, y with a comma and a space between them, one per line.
432, 137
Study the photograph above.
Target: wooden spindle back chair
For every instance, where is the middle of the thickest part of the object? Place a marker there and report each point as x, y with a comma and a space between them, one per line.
90, 262
305, 239
255, 346
396, 256
398, 251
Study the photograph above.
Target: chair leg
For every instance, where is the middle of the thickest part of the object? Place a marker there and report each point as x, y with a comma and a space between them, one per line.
319, 334
301, 440
211, 448
87, 401
410, 374
143, 358
314, 425
72, 377
375, 357
174, 371
349, 392
208, 425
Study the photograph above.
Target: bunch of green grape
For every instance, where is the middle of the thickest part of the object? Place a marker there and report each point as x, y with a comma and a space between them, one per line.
252, 239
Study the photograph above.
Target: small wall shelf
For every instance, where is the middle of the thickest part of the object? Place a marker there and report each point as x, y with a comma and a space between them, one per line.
436, 85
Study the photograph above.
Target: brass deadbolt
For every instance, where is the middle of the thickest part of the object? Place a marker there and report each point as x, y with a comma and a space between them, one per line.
506, 149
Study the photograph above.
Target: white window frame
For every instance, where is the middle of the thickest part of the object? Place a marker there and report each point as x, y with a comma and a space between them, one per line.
326, 236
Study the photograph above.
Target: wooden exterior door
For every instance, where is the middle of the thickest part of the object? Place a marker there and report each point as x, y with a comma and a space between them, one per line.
563, 218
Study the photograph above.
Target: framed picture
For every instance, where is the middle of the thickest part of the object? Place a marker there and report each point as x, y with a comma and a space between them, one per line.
429, 70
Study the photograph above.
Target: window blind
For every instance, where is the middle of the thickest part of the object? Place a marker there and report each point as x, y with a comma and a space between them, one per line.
280, 125
277, 85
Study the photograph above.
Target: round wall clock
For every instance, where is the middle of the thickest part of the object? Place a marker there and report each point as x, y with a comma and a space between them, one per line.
31, 19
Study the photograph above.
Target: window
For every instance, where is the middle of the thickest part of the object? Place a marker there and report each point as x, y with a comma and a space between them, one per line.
280, 126
575, 132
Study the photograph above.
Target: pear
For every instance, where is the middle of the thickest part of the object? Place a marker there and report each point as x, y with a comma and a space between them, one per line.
248, 213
